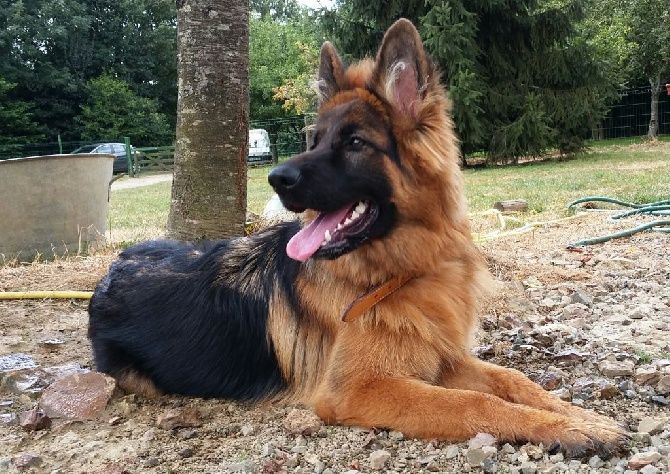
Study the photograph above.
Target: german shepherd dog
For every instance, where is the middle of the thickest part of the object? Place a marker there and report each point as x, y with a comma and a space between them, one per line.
365, 308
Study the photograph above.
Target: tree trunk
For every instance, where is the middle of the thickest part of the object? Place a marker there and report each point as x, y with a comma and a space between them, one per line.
655, 83
209, 191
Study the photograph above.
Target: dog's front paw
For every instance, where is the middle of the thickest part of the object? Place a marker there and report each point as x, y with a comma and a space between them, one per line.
582, 438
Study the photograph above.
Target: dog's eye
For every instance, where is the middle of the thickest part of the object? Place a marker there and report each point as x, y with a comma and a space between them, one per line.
356, 143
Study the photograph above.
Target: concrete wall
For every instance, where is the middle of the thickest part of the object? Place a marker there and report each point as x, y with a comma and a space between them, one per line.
53, 204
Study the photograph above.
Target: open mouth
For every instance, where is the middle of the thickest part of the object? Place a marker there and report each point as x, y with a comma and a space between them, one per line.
334, 233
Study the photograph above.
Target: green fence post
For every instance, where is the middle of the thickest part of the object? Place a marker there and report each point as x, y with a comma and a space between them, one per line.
131, 170
60, 145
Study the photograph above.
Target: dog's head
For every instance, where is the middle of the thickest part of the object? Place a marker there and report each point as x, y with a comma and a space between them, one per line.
382, 155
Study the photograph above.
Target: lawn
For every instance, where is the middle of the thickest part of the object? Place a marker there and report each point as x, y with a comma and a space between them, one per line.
636, 173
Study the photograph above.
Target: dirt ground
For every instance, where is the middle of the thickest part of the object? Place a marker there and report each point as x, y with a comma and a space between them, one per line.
531, 269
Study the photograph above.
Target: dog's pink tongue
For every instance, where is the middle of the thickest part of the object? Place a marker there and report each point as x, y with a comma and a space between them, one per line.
306, 242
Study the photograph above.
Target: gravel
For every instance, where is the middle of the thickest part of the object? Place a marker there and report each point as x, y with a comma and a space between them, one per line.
591, 326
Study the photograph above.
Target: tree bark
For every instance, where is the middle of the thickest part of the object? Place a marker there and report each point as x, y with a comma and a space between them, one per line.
209, 191
655, 83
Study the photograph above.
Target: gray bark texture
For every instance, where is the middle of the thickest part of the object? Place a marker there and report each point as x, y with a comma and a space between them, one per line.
656, 87
209, 192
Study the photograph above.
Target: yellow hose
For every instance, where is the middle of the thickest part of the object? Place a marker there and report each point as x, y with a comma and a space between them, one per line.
34, 295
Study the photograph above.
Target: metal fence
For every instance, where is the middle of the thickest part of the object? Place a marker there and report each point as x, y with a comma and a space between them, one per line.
630, 116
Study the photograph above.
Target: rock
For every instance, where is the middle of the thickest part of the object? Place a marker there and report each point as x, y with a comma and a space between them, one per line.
303, 422
451, 451
32, 381
396, 436
550, 380
615, 368
638, 313
575, 310
647, 375
651, 426
179, 418
595, 462
581, 297
312, 458
378, 459
640, 460
663, 386
243, 466
606, 389
569, 355
528, 467
292, 461
532, 451
113, 468
247, 430
29, 381
16, 361
152, 461
26, 459
660, 400
475, 457
649, 469
481, 440
9, 419
34, 420
78, 396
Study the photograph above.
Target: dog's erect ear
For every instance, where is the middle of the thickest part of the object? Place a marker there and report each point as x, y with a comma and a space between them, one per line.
402, 68
332, 70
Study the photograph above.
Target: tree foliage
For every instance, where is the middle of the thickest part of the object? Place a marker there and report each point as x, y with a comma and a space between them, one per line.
52, 48
281, 56
521, 79
636, 34
16, 123
113, 111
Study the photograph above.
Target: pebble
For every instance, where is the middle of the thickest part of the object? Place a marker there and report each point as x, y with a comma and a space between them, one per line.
480, 440
78, 396
451, 451
34, 420
640, 460
304, 422
475, 457
651, 425
243, 466
179, 418
27, 459
378, 459
614, 368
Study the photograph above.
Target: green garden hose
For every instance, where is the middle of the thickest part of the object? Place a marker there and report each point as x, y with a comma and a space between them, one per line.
659, 208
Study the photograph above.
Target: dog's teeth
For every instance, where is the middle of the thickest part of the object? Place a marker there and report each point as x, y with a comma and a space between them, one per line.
339, 226
361, 207
347, 221
327, 236
354, 215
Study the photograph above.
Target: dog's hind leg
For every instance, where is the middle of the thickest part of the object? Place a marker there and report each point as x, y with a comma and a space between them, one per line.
421, 410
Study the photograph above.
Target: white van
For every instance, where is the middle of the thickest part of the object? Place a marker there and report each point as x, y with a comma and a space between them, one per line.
259, 147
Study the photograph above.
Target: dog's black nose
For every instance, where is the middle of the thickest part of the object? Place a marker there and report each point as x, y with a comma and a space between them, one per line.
283, 178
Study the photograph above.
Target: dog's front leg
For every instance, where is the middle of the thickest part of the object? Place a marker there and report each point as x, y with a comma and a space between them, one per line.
421, 410
512, 386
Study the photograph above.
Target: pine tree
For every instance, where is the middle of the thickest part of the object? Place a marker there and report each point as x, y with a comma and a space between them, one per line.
521, 80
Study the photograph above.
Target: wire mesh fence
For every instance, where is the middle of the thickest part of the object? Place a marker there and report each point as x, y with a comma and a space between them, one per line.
629, 117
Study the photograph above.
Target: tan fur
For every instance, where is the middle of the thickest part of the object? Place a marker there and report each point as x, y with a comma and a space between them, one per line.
134, 382
406, 364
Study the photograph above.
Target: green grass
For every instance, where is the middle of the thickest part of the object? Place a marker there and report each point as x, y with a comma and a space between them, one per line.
638, 173
634, 174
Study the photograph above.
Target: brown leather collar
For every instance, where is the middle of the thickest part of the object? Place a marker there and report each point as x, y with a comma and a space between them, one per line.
366, 301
